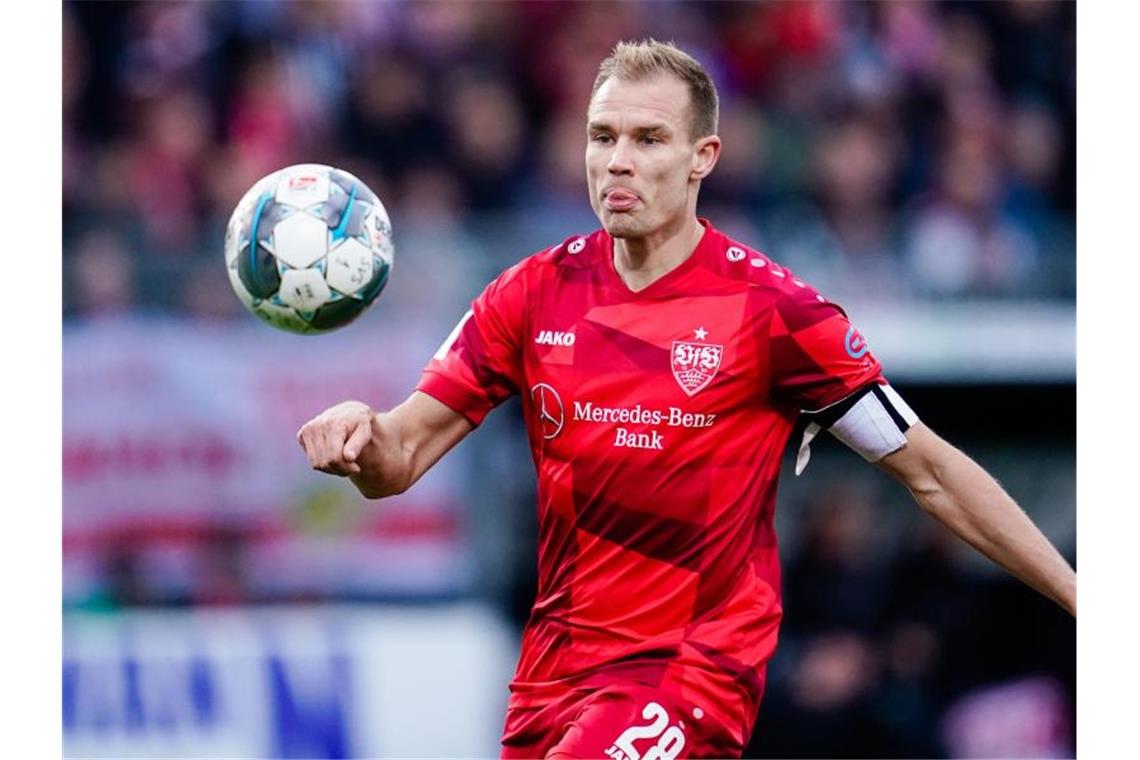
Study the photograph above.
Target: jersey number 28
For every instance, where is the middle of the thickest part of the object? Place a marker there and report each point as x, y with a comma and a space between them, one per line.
670, 740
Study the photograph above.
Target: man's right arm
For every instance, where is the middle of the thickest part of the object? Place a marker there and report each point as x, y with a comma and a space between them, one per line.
382, 453
477, 368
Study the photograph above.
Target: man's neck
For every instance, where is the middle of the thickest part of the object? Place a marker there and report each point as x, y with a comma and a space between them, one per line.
642, 261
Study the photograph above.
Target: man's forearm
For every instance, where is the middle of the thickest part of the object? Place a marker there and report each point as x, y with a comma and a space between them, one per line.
965, 498
406, 442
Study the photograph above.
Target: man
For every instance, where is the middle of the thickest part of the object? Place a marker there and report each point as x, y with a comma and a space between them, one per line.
662, 368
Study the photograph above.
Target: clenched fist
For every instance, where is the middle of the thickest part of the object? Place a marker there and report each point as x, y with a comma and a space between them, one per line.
383, 453
334, 439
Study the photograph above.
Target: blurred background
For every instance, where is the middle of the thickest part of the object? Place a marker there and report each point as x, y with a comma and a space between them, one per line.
914, 160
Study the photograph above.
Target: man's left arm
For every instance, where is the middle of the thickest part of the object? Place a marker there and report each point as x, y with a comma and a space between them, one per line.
961, 495
822, 366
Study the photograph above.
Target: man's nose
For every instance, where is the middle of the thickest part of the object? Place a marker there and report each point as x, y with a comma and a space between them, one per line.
621, 160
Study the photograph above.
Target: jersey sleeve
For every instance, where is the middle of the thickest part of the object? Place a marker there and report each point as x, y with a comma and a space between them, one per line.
823, 366
479, 365
818, 358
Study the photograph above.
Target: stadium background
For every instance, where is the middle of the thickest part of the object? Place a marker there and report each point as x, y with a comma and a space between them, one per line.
915, 161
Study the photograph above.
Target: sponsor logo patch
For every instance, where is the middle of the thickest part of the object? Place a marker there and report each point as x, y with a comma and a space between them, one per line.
548, 407
855, 344
303, 183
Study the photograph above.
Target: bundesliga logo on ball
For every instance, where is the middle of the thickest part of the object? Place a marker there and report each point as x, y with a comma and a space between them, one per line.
309, 248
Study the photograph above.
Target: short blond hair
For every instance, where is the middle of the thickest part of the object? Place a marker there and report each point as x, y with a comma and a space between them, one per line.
637, 61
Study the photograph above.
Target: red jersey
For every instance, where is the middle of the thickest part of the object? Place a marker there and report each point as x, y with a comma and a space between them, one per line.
657, 420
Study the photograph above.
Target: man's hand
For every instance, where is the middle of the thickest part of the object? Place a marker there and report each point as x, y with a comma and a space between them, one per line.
335, 438
382, 453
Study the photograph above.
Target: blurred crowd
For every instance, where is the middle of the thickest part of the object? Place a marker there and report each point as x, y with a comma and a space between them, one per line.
903, 150
904, 654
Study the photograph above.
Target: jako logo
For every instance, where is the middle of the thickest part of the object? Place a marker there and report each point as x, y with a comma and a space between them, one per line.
552, 338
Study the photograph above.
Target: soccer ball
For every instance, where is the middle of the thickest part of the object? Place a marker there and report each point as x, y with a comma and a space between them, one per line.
309, 248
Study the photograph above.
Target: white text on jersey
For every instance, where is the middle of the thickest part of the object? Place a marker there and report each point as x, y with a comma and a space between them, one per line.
650, 440
639, 415
554, 338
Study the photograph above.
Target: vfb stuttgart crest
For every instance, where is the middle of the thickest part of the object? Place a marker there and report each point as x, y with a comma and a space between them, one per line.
695, 364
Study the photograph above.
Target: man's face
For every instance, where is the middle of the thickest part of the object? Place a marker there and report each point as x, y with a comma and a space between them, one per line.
640, 155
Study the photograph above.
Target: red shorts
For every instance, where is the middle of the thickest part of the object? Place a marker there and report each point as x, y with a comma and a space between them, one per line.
619, 722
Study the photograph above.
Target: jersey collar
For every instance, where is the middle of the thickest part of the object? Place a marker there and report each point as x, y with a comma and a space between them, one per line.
668, 281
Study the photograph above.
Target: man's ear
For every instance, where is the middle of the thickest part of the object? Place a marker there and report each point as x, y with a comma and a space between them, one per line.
705, 155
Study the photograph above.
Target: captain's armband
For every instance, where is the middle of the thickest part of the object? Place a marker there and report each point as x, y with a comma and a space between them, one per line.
873, 421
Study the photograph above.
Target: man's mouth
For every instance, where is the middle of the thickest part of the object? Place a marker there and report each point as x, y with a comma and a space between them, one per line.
620, 199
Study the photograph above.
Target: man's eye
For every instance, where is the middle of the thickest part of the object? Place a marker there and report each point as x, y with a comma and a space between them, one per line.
651, 140
602, 138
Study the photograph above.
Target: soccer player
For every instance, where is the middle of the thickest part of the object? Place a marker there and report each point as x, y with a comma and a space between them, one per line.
662, 368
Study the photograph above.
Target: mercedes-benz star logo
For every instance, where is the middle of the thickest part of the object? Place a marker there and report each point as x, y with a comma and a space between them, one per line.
549, 407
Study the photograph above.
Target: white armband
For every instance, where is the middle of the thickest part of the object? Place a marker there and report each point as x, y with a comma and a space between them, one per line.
873, 421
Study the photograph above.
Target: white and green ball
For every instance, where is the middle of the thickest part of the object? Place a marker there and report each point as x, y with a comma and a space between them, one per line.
309, 248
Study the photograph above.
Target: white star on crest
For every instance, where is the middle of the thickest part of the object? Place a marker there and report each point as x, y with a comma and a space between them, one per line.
701, 333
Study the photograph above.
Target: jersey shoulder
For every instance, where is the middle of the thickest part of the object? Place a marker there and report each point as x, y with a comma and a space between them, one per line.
526, 276
575, 252
738, 262
578, 251
796, 300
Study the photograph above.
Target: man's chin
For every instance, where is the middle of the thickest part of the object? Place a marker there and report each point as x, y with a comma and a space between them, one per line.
621, 226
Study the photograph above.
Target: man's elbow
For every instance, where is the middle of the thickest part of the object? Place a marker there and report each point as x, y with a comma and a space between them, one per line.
937, 487
924, 479
918, 473
923, 465
926, 485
